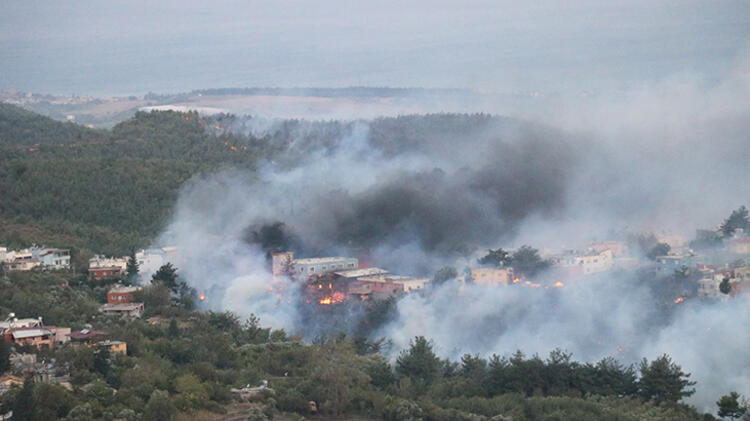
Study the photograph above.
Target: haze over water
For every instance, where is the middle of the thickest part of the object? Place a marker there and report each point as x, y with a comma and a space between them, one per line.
117, 48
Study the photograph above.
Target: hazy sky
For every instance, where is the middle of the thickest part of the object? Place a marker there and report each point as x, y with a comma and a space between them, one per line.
118, 47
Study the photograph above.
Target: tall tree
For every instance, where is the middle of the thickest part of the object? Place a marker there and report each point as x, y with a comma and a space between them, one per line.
4, 355
731, 405
496, 258
725, 287
419, 362
739, 219
663, 381
167, 275
132, 266
444, 274
159, 407
527, 261
25, 406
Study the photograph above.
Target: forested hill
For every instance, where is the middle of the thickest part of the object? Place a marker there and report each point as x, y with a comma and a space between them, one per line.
22, 127
107, 191
102, 190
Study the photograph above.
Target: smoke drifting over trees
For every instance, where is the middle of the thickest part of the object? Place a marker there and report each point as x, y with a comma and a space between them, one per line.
417, 193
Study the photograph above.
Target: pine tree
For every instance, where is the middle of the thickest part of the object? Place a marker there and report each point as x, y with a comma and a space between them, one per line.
132, 267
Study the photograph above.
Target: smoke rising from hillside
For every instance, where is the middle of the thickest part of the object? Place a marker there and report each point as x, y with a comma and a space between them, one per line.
673, 156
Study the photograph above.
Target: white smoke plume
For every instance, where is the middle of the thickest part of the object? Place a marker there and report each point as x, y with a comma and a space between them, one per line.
669, 156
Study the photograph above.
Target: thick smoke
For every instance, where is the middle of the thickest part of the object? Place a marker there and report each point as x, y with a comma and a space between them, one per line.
671, 157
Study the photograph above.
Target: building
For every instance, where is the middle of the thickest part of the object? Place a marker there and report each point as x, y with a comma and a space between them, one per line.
38, 336
674, 261
618, 248
121, 294
285, 264
374, 286
739, 245
150, 260
52, 258
353, 275
123, 310
410, 284
577, 263
105, 272
87, 336
21, 260
12, 322
114, 347
491, 276
32, 336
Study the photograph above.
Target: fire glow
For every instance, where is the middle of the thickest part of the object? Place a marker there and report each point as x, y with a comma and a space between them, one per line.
679, 300
334, 298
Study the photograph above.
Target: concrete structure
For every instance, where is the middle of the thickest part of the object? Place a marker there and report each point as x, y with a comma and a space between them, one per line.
674, 261
410, 284
87, 336
739, 245
33, 336
353, 275
150, 260
708, 286
618, 248
21, 260
374, 286
491, 276
121, 294
105, 272
285, 264
577, 263
100, 261
114, 347
52, 258
12, 322
123, 310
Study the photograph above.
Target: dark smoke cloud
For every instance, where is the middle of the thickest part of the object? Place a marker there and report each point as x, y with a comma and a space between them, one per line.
669, 157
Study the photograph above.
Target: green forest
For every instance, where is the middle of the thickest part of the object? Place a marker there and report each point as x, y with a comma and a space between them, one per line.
181, 364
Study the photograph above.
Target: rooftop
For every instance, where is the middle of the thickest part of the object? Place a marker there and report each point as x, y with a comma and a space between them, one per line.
86, 334
121, 307
357, 273
123, 288
321, 260
30, 333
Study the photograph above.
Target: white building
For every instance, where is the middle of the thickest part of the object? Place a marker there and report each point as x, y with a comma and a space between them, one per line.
585, 263
286, 264
51, 258
100, 261
150, 260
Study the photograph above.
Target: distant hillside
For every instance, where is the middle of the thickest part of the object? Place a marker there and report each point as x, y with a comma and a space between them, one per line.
111, 190
22, 127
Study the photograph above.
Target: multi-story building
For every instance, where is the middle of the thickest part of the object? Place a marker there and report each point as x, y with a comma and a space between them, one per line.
286, 264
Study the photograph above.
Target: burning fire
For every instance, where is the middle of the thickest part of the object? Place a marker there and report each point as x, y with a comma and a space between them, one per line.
679, 300
517, 280
336, 297
202, 297
559, 284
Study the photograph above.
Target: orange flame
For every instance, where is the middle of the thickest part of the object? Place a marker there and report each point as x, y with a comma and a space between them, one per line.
559, 284
679, 300
202, 297
336, 297
515, 281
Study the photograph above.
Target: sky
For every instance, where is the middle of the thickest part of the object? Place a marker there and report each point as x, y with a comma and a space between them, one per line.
132, 47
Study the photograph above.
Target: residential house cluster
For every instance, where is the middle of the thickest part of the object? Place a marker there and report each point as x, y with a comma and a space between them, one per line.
35, 257
32, 332
120, 302
344, 276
